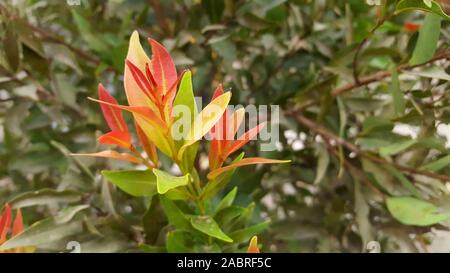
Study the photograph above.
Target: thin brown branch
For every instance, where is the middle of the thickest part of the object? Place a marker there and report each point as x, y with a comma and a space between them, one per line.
49, 36
378, 76
352, 147
360, 47
354, 171
164, 25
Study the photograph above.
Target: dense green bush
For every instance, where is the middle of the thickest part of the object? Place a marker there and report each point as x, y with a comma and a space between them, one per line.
365, 108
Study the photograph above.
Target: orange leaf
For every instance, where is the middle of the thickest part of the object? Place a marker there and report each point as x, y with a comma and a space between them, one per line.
113, 155
142, 81
149, 147
162, 66
18, 223
142, 111
244, 162
217, 132
123, 139
5, 223
245, 138
253, 246
113, 116
413, 27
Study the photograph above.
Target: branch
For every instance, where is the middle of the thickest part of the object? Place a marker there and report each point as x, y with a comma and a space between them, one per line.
352, 147
385, 73
360, 47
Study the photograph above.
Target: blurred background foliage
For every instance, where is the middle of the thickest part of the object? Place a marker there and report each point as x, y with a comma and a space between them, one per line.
353, 143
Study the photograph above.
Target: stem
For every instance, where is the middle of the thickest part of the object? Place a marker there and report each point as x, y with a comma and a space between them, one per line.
144, 161
352, 147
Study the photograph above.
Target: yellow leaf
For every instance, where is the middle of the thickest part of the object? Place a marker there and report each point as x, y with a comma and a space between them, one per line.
205, 120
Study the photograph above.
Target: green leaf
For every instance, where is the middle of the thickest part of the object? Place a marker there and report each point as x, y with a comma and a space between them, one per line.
166, 181
438, 164
153, 221
205, 120
322, 163
428, 39
68, 213
397, 147
46, 231
213, 187
376, 124
185, 95
227, 200
179, 241
152, 249
226, 216
175, 216
412, 211
435, 8
12, 47
84, 28
45, 197
208, 225
404, 180
214, 9
362, 211
136, 183
433, 72
397, 94
245, 234
185, 98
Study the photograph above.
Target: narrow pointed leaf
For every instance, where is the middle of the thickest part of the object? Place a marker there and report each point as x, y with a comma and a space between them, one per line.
142, 111
206, 119
149, 147
5, 222
244, 162
113, 155
113, 115
245, 138
208, 225
18, 223
412, 211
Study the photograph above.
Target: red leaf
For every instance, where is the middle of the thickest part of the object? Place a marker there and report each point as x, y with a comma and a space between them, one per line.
113, 116
142, 81
113, 155
123, 139
217, 92
18, 223
244, 162
245, 138
143, 111
413, 27
5, 223
149, 147
162, 66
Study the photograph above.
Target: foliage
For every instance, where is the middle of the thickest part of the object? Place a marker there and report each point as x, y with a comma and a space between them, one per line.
364, 109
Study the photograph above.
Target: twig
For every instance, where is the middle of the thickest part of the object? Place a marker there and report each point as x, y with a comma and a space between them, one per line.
352, 147
354, 171
160, 16
360, 47
380, 75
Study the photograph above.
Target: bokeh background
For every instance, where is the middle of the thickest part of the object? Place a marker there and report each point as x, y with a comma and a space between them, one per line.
296, 54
